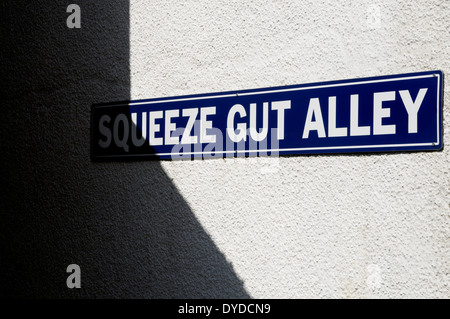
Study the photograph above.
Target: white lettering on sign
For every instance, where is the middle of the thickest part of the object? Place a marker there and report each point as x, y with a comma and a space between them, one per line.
280, 107
170, 127
105, 131
187, 137
154, 128
317, 124
121, 140
355, 129
412, 107
238, 133
314, 119
205, 124
334, 131
252, 121
139, 142
379, 113
259, 136
237, 108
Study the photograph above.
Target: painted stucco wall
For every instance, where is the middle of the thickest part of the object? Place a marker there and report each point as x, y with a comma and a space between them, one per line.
309, 226
328, 226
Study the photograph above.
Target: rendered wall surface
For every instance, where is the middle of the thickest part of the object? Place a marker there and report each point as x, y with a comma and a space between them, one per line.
328, 226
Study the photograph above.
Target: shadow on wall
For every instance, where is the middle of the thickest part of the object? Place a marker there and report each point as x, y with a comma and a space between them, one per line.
125, 224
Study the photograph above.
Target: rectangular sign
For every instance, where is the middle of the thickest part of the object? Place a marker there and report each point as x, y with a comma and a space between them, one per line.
378, 114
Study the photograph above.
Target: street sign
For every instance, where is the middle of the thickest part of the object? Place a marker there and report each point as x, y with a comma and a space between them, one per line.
378, 114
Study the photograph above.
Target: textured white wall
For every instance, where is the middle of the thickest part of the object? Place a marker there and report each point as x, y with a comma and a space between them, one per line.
374, 225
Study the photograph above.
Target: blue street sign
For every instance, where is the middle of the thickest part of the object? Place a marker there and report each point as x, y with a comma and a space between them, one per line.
378, 114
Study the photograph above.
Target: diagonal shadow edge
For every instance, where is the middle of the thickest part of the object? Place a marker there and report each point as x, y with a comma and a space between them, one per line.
125, 224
